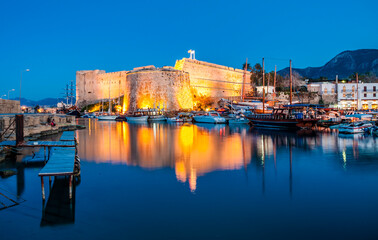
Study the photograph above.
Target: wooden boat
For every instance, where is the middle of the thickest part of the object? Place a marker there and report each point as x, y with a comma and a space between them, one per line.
181, 117
209, 117
284, 118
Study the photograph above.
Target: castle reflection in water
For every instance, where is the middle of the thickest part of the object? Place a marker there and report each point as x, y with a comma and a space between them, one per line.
194, 150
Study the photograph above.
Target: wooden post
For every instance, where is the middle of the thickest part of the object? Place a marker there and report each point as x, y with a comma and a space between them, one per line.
70, 180
291, 84
43, 189
19, 129
263, 85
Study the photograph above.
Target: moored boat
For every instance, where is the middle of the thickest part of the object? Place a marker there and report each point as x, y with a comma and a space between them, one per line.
107, 117
359, 127
157, 118
284, 118
137, 118
209, 117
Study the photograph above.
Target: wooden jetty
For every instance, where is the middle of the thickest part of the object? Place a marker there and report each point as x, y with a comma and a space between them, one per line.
61, 158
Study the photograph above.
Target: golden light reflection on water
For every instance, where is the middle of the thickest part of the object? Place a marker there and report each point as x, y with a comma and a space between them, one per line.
194, 150
190, 149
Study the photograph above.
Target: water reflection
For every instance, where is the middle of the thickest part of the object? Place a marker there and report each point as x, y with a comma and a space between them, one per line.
194, 150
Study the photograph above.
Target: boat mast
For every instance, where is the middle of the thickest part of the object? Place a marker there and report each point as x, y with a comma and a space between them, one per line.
244, 76
291, 84
110, 104
357, 90
274, 84
263, 85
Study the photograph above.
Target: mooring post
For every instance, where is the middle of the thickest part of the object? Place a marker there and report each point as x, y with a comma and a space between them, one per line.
70, 180
43, 189
19, 129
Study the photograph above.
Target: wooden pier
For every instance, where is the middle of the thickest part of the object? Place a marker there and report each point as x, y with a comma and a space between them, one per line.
60, 159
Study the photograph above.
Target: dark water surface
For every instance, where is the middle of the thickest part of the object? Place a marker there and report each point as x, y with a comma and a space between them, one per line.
193, 181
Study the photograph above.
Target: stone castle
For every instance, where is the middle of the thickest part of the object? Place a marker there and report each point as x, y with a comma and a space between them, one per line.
171, 88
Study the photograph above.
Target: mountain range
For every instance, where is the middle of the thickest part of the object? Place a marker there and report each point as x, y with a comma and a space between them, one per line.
344, 64
52, 102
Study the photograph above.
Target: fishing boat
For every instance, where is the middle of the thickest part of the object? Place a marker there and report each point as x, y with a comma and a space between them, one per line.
287, 117
359, 127
209, 117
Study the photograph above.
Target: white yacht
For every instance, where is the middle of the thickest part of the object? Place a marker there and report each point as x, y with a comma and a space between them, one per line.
209, 117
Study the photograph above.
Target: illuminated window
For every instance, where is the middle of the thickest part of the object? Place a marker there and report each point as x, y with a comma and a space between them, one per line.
333, 90
344, 95
325, 90
352, 88
344, 89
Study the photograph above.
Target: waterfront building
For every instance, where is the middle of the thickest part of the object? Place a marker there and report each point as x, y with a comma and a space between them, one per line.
349, 95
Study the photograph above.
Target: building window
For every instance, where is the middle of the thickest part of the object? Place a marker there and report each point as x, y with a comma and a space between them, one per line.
374, 88
365, 88
325, 90
344, 89
374, 94
364, 94
333, 90
352, 88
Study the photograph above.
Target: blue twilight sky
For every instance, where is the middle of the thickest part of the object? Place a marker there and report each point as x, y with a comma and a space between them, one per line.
56, 38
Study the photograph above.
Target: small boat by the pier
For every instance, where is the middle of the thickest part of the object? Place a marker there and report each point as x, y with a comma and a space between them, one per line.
175, 120
106, 117
237, 119
359, 127
209, 117
374, 130
181, 117
137, 118
157, 118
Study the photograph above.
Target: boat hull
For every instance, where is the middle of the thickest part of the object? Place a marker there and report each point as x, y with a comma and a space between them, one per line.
157, 119
207, 119
141, 119
106, 118
283, 124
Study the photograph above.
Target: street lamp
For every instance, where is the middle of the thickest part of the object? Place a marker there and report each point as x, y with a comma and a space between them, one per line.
9, 92
26, 70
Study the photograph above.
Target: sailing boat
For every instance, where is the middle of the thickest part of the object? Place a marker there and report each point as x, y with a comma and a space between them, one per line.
109, 116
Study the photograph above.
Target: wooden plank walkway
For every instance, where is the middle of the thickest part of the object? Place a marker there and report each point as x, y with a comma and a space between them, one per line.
40, 144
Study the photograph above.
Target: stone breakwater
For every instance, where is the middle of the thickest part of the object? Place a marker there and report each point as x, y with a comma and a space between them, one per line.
36, 125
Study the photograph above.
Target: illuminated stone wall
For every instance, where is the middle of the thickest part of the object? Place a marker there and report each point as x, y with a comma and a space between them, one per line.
214, 80
173, 88
92, 86
152, 87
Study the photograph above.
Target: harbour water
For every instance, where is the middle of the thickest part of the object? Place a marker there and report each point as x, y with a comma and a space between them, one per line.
203, 181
